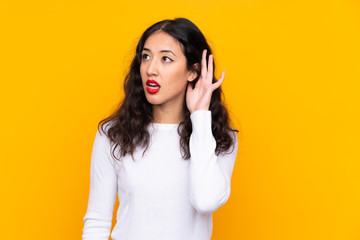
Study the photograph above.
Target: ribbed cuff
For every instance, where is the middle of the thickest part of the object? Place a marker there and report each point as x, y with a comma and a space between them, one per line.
201, 122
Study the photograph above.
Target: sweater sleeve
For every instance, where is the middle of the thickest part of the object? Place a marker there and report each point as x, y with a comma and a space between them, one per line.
103, 191
209, 174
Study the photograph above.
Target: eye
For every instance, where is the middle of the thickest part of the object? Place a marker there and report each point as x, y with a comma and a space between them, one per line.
145, 56
167, 59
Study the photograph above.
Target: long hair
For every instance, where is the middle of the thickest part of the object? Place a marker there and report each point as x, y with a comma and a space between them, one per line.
128, 126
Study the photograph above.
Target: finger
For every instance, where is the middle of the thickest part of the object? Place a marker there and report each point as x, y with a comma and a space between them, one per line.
203, 64
210, 67
219, 82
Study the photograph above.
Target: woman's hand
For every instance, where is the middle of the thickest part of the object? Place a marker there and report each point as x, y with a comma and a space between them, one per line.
199, 98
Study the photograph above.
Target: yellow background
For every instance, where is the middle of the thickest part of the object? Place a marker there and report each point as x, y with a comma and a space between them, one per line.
292, 86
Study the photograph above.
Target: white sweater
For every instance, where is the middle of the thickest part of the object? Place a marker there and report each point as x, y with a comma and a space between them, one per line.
161, 195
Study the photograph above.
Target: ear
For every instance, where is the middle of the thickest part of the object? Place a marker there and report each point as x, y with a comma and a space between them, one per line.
194, 72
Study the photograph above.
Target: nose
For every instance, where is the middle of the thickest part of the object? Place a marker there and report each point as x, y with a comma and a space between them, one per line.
152, 68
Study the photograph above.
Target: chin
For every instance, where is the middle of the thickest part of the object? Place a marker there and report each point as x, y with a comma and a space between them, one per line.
153, 100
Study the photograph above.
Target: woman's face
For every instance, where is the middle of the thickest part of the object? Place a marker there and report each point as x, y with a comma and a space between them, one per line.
163, 70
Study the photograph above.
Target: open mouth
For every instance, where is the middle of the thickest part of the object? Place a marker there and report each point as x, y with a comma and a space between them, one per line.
152, 86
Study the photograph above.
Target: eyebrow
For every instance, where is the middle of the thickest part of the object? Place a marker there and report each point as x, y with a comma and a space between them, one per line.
167, 51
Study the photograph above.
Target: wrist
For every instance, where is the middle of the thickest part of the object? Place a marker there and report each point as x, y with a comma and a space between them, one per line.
199, 108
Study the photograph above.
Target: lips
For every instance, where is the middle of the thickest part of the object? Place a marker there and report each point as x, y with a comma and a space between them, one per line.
152, 86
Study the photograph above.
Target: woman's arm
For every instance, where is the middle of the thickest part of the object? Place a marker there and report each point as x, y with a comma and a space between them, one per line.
103, 191
210, 175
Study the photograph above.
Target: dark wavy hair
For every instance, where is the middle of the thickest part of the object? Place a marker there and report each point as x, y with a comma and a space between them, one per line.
128, 126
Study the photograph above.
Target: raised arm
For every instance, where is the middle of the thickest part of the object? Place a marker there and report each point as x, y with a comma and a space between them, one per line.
210, 175
103, 191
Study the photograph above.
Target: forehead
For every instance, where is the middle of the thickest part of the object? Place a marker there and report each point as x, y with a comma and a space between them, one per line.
160, 40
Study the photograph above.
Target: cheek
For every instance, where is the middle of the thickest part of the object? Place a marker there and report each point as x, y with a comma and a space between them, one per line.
141, 69
142, 72
178, 75
177, 82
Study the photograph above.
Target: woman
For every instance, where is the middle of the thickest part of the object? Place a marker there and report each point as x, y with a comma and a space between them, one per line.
169, 150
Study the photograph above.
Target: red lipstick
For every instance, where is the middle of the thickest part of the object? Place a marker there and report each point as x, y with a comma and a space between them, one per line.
152, 86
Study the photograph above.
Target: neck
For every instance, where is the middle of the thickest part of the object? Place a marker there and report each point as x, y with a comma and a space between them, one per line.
168, 114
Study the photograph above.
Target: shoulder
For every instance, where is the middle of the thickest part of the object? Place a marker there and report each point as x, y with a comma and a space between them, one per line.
102, 133
103, 142
233, 133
